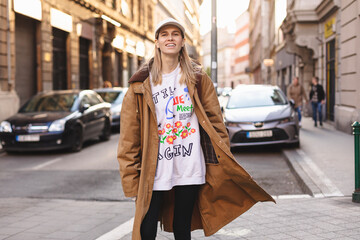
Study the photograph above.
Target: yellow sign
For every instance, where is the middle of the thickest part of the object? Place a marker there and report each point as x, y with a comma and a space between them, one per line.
329, 28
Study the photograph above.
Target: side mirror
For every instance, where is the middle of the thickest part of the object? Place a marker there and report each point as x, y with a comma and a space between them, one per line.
85, 107
292, 103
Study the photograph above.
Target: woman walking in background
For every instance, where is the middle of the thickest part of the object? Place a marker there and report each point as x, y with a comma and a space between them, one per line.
174, 152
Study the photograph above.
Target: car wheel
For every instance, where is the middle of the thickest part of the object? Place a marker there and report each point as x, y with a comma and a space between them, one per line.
106, 132
78, 139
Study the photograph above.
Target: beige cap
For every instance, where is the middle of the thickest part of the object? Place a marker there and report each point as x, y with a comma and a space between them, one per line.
169, 21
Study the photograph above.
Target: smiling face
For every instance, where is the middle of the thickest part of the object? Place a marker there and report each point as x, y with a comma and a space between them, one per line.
170, 40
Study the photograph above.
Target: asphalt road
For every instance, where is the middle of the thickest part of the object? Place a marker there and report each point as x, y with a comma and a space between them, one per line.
92, 174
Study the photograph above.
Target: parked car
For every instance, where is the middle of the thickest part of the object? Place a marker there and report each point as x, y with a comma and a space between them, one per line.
57, 120
114, 96
260, 115
226, 91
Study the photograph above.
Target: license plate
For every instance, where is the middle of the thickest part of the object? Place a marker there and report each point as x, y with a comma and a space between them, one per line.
259, 134
28, 138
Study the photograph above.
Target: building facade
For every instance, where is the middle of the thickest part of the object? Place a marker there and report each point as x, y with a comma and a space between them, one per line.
262, 41
323, 37
240, 60
285, 62
79, 44
225, 50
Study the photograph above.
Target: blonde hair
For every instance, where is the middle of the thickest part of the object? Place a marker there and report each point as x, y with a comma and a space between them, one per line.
188, 67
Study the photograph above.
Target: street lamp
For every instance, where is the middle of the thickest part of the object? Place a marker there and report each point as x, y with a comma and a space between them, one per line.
213, 44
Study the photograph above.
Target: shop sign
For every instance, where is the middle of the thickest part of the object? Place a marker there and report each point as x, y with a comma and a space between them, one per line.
130, 46
84, 30
140, 49
118, 42
61, 20
329, 28
30, 8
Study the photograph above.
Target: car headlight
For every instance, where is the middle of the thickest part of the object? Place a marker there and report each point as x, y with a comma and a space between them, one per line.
231, 124
5, 126
57, 126
286, 120
115, 113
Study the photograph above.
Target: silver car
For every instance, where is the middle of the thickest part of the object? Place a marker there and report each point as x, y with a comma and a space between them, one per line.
260, 115
114, 96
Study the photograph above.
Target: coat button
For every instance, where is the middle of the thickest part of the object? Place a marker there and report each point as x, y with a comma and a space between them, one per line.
218, 156
203, 121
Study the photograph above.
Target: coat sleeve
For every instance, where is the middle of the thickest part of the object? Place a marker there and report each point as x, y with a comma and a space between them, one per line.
129, 147
210, 103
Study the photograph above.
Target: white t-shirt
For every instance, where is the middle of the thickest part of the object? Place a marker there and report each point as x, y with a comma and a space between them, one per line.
180, 157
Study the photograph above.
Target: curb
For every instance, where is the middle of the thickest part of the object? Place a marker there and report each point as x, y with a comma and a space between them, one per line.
312, 179
306, 184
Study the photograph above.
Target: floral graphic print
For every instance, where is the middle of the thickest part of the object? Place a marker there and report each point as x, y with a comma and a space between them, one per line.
170, 133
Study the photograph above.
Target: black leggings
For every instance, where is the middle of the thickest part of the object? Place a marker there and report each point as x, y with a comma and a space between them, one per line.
185, 197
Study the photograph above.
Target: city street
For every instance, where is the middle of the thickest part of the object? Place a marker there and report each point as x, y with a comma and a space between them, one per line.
87, 181
92, 174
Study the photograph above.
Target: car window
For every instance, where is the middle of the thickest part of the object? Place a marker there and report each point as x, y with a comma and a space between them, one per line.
256, 98
50, 103
93, 99
85, 100
109, 97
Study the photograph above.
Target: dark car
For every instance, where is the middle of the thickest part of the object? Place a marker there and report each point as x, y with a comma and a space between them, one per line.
114, 96
57, 120
260, 115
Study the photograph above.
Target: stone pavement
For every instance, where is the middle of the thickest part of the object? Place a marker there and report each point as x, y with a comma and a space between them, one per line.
325, 161
324, 166
45, 219
302, 218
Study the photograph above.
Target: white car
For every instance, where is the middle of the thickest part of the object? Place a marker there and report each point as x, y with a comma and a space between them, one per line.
260, 115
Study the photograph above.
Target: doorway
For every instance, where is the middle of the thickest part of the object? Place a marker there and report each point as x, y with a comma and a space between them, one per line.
330, 79
59, 59
26, 61
84, 45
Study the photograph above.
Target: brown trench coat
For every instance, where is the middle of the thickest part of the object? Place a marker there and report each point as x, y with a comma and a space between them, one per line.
229, 190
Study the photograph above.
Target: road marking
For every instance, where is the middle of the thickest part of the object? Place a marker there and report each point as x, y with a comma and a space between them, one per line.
294, 196
233, 233
119, 232
320, 177
46, 164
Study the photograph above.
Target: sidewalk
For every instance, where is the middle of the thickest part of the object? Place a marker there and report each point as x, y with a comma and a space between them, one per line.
325, 160
324, 165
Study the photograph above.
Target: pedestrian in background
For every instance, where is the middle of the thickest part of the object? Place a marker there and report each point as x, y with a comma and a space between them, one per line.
174, 151
107, 84
317, 97
296, 92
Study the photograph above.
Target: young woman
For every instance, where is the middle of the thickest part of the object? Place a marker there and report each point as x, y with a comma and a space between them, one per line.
174, 152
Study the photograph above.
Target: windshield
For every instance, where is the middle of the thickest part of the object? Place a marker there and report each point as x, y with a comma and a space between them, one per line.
111, 97
50, 103
256, 98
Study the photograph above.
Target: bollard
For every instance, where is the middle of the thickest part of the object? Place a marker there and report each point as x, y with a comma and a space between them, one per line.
356, 132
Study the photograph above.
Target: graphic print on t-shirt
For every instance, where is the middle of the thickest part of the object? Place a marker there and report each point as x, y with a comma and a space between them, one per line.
182, 107
180, 158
